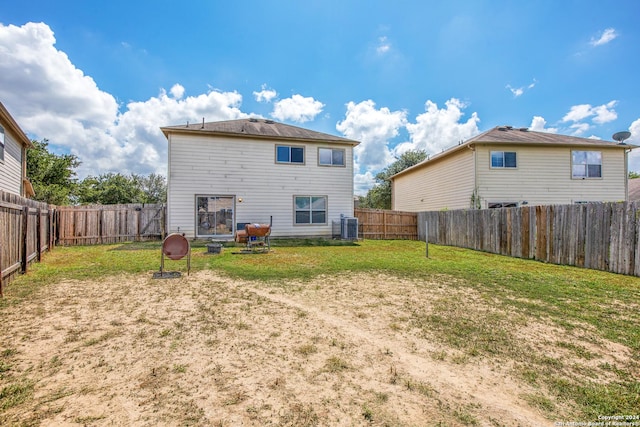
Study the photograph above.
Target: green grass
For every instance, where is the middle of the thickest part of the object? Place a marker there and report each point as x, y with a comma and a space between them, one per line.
571, 298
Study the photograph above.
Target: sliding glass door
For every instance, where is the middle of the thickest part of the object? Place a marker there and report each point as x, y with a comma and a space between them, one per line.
214, 215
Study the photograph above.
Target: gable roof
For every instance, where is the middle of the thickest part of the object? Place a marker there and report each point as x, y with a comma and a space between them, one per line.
509, 135
256, 128
11, 123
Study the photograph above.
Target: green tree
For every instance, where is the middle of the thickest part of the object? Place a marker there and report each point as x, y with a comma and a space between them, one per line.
52, 175
379, 197
633, 175
153, 188
109, 189
116, 188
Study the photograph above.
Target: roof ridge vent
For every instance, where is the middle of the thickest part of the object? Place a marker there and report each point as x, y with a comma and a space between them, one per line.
523, 129
503, 128
509, 127
253, 120
269, 121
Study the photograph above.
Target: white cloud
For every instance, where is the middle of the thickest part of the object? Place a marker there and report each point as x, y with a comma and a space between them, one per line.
539, 124
577, 113
515, 91
177, 91
362, 182
265, 95
383, 45
519, 91
579, 129
373, 128
605, 113
434, 130
601, 114
634, 156
38, 78
297, 108
137, 131
50, 98
437, 129
607, 35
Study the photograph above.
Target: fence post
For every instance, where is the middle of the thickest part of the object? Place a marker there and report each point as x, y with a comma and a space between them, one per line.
100, 220
39, 235
25, 234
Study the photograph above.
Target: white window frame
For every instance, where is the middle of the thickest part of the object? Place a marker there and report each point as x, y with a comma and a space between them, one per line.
504, 160
290, 147
310, 210
331, 163
585, 174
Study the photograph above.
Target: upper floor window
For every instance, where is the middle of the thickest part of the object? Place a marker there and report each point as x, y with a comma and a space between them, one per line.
331, 156
289, 154
503, 159
586, 164
1, 143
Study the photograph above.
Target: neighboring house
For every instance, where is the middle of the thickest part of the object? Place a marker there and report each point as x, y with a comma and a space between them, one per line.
634, 190
508, 166
13, 156
226, 174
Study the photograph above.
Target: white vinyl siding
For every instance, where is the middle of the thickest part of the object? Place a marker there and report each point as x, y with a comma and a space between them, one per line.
443, 184
544, 176
11, 164
264, 189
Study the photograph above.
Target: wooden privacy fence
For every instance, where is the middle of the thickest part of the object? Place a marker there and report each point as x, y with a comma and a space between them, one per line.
601, 236
378, 224
98, 224
27, 229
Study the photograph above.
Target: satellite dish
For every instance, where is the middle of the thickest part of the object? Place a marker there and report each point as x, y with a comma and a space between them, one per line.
621, 136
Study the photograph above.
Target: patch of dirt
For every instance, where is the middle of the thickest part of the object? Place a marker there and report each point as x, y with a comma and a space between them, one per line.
207, 350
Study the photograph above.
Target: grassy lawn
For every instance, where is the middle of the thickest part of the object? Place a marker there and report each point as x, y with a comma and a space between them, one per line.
594, 306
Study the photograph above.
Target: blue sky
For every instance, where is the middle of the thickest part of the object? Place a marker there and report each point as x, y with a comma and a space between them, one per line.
100, 81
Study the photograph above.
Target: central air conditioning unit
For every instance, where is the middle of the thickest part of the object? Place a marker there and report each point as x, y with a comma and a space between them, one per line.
349, 228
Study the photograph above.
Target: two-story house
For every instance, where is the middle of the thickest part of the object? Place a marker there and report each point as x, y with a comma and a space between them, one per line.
508, 166
222, 174
13, 156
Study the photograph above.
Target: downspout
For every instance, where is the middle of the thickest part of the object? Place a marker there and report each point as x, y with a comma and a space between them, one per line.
626, 174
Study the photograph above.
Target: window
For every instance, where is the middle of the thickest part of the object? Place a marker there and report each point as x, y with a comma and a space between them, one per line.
331, 157
503, 159
288, 154
1, 144
586, 164
310, 209
214, 215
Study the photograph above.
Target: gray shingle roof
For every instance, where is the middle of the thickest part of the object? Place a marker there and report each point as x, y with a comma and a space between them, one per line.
512, 135
257, 128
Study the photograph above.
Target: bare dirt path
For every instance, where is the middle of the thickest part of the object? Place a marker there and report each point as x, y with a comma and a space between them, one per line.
477, 385
207, 350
